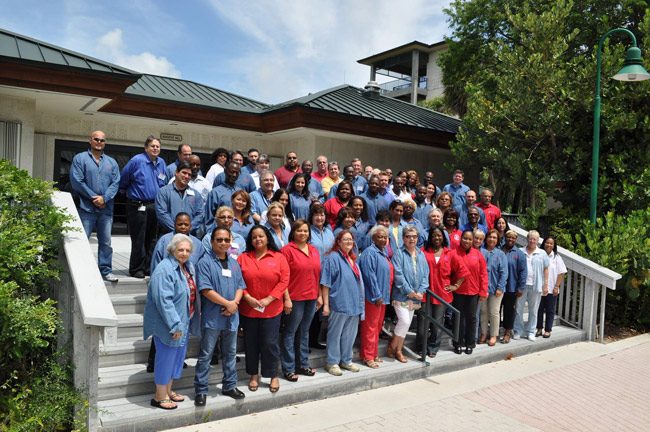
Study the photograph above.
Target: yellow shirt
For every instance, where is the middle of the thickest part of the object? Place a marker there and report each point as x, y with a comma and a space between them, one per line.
328, 182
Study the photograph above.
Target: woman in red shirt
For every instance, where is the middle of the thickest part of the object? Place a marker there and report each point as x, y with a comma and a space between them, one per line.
443, 265
266, 273
304, 291
450, 222
472, 290
333, 205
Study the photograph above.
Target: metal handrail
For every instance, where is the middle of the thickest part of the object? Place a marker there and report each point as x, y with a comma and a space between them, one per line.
428, 318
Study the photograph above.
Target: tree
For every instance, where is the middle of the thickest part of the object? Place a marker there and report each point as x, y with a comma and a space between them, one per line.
522, 75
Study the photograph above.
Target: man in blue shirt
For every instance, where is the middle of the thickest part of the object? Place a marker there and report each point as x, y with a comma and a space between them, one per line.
244, 180
220, 282
423, 208
250, 167
470, 199
178, 197
457, 189
374, 201
95, 178
221, 195
359, 181
314, 186
184, 153
141, 179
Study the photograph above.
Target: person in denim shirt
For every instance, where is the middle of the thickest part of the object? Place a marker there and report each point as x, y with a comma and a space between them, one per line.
343, 292
95, 178
411, 281
377, 272
171, 303
516, 282
178, 197
537, 263
225, 217
497, 268
221, 285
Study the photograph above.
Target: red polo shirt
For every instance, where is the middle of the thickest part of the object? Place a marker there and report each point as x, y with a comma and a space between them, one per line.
476, 281
284, 175
267, 276
492, 213
332, 207
305, 272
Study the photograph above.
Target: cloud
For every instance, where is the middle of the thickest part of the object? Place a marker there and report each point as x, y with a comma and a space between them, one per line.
300, 47
111, 46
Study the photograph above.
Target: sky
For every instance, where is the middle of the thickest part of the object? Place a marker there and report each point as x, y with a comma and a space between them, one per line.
268, 50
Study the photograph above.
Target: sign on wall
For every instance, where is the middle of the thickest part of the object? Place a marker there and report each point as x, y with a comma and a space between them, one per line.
171, 137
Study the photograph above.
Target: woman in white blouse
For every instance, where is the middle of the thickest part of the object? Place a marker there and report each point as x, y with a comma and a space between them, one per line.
556, 272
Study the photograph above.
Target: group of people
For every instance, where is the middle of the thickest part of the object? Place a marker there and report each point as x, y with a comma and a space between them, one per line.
281, 255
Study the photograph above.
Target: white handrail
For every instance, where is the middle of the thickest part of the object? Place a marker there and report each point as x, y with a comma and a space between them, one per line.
90, 291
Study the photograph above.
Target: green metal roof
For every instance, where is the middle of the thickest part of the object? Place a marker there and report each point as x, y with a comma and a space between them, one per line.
178, 90
21, 47
346, 99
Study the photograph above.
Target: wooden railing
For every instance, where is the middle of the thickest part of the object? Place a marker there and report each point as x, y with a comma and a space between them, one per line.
583, 296
85, 307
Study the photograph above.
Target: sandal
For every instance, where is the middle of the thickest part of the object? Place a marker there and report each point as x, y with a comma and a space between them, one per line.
378, 360
291, 376
371, 364
159, 404
274, 388
306, 371
253, 385
176, 397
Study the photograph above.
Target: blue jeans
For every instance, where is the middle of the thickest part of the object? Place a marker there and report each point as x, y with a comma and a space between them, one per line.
296, 332
102, 223
209, 339
341, 333
533, 298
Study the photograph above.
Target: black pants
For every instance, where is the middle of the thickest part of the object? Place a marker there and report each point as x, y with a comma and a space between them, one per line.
262, 342
466, 304
509, 305
435, 335
546, 307
143, 229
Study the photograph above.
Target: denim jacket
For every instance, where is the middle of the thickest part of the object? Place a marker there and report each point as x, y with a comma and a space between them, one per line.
407, 279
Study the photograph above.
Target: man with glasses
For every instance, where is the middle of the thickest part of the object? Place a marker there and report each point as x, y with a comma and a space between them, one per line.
321, 169
141, 179
285, 173
220, 282
95, 178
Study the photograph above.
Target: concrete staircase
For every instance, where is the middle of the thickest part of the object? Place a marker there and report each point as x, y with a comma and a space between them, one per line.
125, 388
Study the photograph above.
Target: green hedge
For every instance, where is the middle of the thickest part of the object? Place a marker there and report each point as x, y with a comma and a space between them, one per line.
36, 390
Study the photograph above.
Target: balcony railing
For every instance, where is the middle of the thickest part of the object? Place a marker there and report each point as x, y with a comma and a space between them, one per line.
401, 84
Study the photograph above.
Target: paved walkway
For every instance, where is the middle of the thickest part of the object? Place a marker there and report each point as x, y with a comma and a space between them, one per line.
580, 387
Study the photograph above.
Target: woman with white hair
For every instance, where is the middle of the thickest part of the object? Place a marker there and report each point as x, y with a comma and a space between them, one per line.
171, 304
411, 281
537, 263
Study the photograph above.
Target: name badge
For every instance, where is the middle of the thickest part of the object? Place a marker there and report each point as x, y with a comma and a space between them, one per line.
260, 309
190, 192
162, 176
226, 273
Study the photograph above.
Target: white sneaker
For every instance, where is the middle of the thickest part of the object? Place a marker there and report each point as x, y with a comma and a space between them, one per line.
334, 370
110, 277
516, 336
531, 337
350, 367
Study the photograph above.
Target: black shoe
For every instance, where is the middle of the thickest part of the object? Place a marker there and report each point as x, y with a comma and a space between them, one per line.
184, 365
139, 274
234, 393
199, 400
317, 345
214, 361
149, 368
469, 350
458, 350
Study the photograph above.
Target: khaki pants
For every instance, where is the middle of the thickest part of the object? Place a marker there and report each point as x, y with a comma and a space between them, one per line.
490, 313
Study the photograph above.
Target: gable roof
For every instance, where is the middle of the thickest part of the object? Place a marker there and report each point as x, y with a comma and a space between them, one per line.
13, 45
346, 99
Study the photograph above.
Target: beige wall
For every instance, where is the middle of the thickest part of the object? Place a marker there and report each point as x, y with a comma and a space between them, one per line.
21, 110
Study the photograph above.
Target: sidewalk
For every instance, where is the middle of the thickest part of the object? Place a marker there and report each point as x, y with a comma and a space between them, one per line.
579, 387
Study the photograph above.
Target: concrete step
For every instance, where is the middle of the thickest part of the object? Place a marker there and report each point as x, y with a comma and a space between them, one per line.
133, 350
127, 285
129, 326
129, 303
134, 413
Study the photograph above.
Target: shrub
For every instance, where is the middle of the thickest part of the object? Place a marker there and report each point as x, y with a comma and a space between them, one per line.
36, 390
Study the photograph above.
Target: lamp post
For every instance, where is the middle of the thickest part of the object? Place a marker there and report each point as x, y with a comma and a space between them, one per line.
632, 70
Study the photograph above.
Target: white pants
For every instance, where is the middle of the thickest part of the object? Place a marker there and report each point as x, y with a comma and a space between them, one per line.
404, 318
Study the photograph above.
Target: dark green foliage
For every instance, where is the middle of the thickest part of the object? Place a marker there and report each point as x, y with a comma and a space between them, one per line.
36, 391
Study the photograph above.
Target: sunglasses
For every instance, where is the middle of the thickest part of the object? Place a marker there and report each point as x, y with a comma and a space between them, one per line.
99, 140
222, 240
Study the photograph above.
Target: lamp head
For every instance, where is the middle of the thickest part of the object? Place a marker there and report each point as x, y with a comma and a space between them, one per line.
633, 69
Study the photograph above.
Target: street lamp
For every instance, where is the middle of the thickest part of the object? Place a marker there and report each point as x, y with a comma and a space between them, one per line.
632, 70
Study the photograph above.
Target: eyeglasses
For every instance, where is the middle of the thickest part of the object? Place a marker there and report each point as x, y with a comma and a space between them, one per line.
99, 140
222, 240
347, 240
412, 236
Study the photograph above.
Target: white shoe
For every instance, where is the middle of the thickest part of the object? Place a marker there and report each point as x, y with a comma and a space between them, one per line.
110, 277
531, 337
350, 367
516, 336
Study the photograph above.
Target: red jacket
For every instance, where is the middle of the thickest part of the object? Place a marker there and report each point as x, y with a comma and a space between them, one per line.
476, 281
264, 277
440, 273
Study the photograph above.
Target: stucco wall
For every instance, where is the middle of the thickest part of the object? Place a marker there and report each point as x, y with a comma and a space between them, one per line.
14, 109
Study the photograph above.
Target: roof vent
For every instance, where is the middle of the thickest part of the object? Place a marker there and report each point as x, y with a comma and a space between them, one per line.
371, 90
